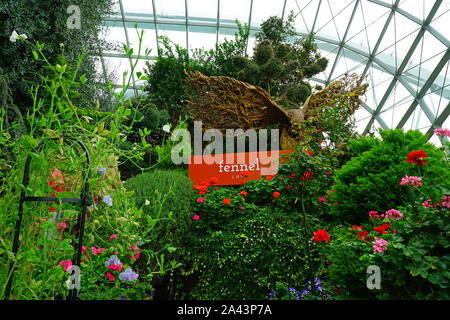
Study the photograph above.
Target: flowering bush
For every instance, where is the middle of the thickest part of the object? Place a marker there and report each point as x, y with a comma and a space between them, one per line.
372, 180
409, 245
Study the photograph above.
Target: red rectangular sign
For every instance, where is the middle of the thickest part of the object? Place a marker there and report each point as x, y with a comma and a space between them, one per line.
229, 167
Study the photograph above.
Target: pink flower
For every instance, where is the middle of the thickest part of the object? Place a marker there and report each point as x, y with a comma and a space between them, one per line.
393, 214
66, 264
379, 245
136, 253
196, 217
373, 215
442, 132
446, 202
411, 181
96, 251
200, 200
113, 236
110, 276
242, 208
427, 204
322, 199
114, 267
62, 226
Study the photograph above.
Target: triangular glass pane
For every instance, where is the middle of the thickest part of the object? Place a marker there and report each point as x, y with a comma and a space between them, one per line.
428, 47
441, 85
399, 37
367, 24
300, 8
362, 122
307, 10
342, 12
418, 8
324, 24
440, 20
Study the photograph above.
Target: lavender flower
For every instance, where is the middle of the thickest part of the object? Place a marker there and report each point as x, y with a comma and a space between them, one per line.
102, 171
128, 275
123, 297
108, 200
112, 260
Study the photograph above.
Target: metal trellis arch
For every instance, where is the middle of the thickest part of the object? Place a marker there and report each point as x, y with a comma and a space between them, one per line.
84, 201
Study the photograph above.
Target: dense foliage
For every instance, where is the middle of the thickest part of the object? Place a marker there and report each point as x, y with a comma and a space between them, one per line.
280, 65
370, 180
165, 198
47, 22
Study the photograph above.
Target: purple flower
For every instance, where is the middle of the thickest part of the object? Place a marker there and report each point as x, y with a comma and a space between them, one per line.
102, 171
123, 297
112, 260
108, 200
128, 275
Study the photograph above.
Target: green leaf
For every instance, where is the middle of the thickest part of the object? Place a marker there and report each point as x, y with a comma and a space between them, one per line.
35, 54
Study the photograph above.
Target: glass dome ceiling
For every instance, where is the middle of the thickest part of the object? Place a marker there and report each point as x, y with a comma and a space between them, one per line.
402, 46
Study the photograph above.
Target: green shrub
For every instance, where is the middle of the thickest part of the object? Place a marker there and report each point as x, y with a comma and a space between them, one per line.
414, 259
371, 180
165, 195
247, 258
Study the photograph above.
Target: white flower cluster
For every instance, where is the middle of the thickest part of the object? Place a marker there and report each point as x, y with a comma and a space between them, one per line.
15, 36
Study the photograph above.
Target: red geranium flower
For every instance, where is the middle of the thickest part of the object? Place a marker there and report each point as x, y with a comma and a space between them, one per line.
226, 201
310, 153
321, 235
213, 180
382, 229
417, 157
243, 193
276, 194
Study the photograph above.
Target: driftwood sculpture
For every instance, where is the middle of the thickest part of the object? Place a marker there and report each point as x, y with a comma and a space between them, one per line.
226, 103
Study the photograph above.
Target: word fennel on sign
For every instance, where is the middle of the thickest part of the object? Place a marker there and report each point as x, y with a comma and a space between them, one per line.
232, 167
235, 167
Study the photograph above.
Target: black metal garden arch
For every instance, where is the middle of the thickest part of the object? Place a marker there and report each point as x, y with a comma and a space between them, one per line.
84, 201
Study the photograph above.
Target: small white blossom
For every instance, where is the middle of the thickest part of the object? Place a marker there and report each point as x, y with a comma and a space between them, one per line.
166, 128
15, 36
147, 202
